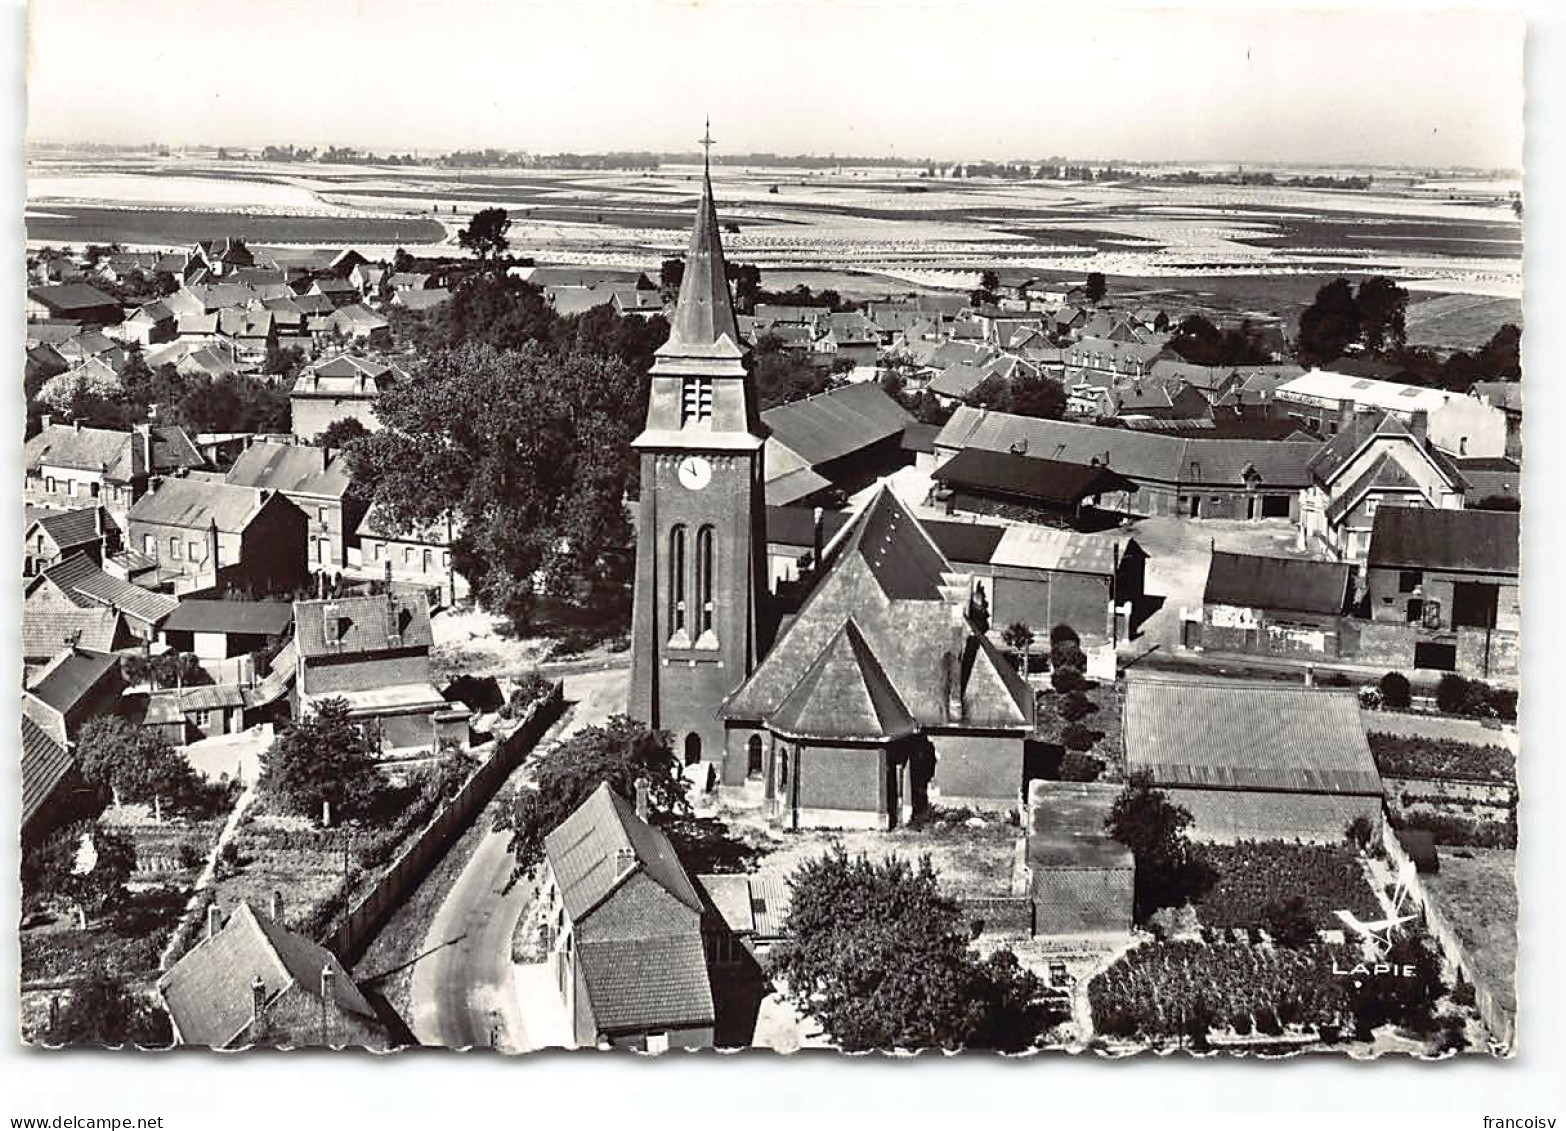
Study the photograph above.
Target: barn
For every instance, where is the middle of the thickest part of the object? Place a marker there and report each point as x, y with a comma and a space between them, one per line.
1254, 761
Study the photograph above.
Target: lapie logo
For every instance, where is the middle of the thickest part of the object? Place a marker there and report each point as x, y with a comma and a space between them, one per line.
1378, 935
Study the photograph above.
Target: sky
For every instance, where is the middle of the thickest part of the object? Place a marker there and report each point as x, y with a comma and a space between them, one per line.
955, 80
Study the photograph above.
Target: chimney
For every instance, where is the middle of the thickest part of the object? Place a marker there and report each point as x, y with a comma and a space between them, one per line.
257, 1006
818, 544
642, 786
624, 860
1345, 414
277, 907
393, 627
212, 539
214, 919
330, 626
1419, 425
152, 411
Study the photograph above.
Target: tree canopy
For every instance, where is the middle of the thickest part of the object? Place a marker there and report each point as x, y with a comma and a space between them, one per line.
783, 375
485, 235
341, 433
1095, 286
879, 955
1026, 394
104, 1011
618, 752
1330, 324
1199, 342
322, 757
1154, 829
134, 764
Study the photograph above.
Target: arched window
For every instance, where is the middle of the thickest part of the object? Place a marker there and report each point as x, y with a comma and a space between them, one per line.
692, 748
676, 580
704, 568
753, 750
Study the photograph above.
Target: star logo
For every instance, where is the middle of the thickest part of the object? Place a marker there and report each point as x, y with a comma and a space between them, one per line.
1380, 934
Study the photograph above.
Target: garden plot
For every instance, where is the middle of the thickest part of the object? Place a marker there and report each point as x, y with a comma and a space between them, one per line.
1250, 876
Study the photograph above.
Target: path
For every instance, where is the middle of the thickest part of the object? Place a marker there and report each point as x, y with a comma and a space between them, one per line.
1441, 726
462, 993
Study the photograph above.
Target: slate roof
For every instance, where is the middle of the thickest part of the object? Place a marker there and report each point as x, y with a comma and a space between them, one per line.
46, 631
1229, 734
366, 624
1046, 480
1280, 584
252, 618
172, 449
291, 468
64, 298
208, 991
198, 505
958, 380
844, 695
71, 677
1425, 538
82, 579
838, 422
1160, 458
654, 983
45, 764
86, 449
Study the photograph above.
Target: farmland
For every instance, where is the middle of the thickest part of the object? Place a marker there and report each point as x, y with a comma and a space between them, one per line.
1252, 875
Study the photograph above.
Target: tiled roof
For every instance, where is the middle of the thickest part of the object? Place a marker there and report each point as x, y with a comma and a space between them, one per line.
837, 423
364, 624
49, 630
198, 505
297, 468
755, 905
45, 764
208, 991
1228, 734
641, 984
843, 695
1425, 538
584, 853
254, 618
1045, 480
74, 527
958, 380
71, 677
81, 578
173, 449
1282, 584
86, 449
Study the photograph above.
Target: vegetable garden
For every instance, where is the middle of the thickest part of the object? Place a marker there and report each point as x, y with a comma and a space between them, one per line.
1251, 875
1409, 756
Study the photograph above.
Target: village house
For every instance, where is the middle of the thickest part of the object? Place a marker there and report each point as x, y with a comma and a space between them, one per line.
190, 714
66, 467
1254, 761
1506, 396
1441, 591
1459, 425
253, 982
622, 924
429, 299
1116, 359
78, 582
73, 302
1268, 606
213, 535
51, 628
339, 292
374, 653
413, 557
339, 388
358, 323
73, 687
221, 256
50, 776
1373, 460
52, 536
313, 480
220, 629
152, 324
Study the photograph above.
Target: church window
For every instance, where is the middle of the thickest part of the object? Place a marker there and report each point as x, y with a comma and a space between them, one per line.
695, 399
677, 580
704, 566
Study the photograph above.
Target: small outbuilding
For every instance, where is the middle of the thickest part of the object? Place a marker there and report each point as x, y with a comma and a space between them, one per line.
1082, 880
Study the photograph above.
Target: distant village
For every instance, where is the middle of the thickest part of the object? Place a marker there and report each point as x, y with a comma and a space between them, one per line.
967, 573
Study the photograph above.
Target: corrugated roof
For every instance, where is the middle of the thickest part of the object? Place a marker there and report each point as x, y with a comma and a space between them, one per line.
1229, 734
1424, 538
363, 624
1282, 584
838, 422
585, 852
253, 618
1049, 548
844, 694
45, 764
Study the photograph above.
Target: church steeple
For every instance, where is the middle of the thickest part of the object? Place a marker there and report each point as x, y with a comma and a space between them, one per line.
704, 314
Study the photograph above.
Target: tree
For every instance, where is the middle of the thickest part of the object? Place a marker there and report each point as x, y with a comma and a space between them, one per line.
88, 865
619, 752
323, 758
1289, 921
1018, 637
103, 1011
537, 491
988, 289
485, 235
1077, 706
1034, 394
783, 375
1408, 1002
1330, 324
1154, 829
1396, 691
341, 433
878, 954
1382, 306
1096, 287
670, 275
133, 764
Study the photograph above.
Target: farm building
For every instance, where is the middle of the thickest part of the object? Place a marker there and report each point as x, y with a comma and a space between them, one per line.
75, 302
1173, 475
1459, 425
1258, 761
73, 687
1442, 591
1082, 880
1025, 488
843, 438
220, 629
1271, 606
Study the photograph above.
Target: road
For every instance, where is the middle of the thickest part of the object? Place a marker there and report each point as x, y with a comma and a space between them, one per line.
461, 992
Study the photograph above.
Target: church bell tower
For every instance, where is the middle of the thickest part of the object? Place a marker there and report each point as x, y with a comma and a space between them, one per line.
700, 538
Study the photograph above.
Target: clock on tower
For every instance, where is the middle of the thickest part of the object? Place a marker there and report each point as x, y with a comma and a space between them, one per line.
700, 540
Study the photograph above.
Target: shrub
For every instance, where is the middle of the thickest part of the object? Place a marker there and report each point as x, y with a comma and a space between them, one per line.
189, 856
1173, 922
1241, 1024
1267, 1022
1369, 699
1067, 654
1289, 921
1018, 637
1452, 694
1063, 634
1078, 737
1066, 680
1411, 756
1076, 766
1077, 706
1359, 832
1396, 694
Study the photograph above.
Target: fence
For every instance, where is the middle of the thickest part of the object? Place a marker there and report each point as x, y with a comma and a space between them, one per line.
369, 913
1497, 1017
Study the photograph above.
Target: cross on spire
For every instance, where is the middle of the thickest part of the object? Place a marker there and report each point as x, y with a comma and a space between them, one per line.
706, 143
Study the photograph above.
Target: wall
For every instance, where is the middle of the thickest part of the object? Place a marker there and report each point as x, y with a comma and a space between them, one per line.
1229, 628
1390, 604
1480, 655
1227, 815
1468, 428
367, 914
833, 784
1080, 901
978, 770
1042, 599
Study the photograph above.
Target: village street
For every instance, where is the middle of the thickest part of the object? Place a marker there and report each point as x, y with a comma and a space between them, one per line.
462, 993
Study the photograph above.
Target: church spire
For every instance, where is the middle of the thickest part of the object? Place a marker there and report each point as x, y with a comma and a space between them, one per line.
704, 314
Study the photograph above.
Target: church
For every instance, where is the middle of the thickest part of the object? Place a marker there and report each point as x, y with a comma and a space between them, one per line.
880, 694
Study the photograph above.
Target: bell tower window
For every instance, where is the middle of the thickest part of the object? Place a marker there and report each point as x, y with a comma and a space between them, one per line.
695, 400
704, 567
677, 567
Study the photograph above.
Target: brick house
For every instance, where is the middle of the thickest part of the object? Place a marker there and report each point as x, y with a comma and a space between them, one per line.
338, 388
1273, 607
52, 536
208, 535
315, 482
623, 929
419, 557
78, 582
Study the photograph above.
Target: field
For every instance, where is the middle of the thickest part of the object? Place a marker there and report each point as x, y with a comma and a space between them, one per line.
1257, 250
1476, 889
1464, 321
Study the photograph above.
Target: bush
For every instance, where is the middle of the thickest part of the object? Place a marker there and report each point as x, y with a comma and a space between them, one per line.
1452, 694
1169, 923
1076, 766
531, 687
189, 856
1078, 737
1396, 694
1063, 634
1369, 699
1359, 832
1066, 680
1067, 654
1289, 921
1267, 1022
1077, 706
1018, 637
1463, 994
1411, 756
1241, 1024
